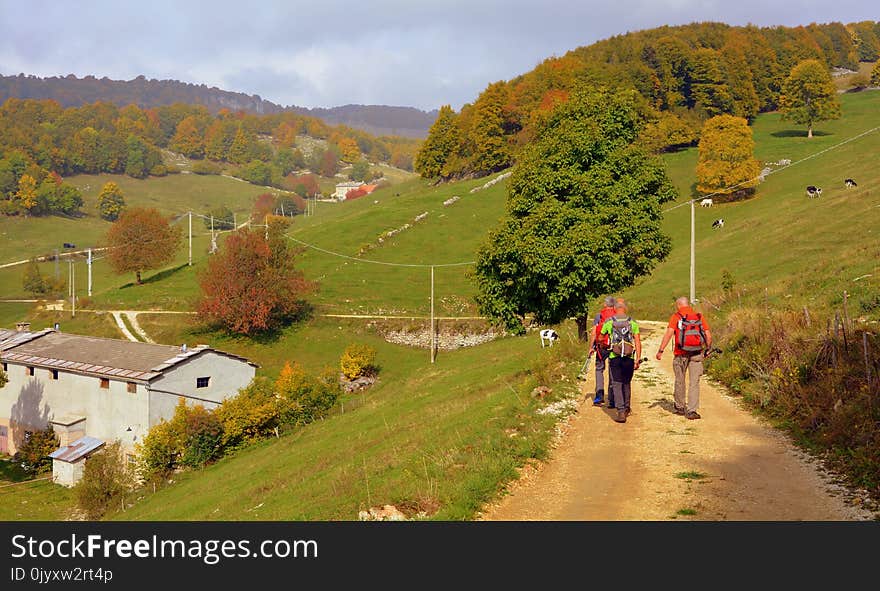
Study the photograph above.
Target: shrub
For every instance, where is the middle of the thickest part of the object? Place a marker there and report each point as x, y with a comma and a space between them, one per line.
33, 455
302, 398
159, 170
357, 360
193, 437
104, 483
205, 167
249, 415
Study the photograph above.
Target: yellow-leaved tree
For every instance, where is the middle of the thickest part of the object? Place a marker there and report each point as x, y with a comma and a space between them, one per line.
727, 167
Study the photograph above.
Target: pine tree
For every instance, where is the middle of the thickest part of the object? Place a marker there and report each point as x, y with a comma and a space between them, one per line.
441, 142
809, 95
726, 164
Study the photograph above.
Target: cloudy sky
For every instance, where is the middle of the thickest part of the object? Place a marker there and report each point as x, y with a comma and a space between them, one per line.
420, 53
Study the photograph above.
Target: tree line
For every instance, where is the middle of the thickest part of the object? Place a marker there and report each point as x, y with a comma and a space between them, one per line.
41, 142
684, 74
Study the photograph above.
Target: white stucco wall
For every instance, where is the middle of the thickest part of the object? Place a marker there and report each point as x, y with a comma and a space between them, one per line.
227, 376
28, 403
67, 473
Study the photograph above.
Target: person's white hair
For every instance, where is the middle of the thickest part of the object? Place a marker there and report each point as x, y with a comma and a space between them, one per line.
682, 302
609, 301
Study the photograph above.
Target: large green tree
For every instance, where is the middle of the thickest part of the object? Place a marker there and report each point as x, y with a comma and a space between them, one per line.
583, 215
441, 142
809, 95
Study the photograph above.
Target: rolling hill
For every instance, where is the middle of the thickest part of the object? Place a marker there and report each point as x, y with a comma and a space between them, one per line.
437, 437
71, 91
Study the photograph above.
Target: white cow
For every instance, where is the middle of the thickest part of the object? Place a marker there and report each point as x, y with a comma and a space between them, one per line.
706, 203
549, 335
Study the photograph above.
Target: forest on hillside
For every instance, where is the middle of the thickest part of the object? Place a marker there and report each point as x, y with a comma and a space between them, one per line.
685, 74
41, 142
71, 91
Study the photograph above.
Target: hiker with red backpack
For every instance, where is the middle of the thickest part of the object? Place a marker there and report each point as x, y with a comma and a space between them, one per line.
599, 346
692, 340
624, 357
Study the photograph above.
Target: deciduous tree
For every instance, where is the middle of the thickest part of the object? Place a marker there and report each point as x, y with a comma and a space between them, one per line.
188, 139
251, 285
27, 192
727, 164
809, 95
583, 215
441, 143
140, 240
111, 201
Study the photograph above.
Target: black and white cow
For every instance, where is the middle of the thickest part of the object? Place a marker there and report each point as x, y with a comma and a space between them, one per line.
719, 223
549, 335
850, 183
813, 191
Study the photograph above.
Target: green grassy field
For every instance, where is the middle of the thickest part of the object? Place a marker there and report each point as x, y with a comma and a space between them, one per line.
441, 436
803, 251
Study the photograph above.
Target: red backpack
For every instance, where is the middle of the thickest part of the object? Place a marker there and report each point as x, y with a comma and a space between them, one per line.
690, 336
602, 340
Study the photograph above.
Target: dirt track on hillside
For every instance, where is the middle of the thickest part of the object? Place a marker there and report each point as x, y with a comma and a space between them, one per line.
602, 470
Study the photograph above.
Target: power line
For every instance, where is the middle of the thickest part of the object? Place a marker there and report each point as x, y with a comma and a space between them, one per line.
359, 260
781, 168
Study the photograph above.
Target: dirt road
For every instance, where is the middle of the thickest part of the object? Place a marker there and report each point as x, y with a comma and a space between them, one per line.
660, 466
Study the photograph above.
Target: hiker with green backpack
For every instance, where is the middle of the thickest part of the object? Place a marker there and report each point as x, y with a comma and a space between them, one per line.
624, 357
692, 340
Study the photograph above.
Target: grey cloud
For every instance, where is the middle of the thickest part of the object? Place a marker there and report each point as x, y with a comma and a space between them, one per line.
334, 52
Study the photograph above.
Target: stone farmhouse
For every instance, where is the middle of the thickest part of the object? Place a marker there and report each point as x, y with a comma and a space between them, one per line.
101, 390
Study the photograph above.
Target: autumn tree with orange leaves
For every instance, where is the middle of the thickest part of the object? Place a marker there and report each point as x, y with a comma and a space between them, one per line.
140, 240
251, 285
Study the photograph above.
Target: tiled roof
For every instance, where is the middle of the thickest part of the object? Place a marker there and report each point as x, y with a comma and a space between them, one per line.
13, 338
79, 448
110, 358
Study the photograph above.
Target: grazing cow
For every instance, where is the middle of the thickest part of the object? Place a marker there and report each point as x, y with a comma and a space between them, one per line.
549, 335
719, 223
813, 191
850, 183
706, 203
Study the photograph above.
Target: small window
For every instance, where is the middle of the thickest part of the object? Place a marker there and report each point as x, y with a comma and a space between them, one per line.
105, 383
202, 382
54, 373
30, 370
5, 367
131, 461
132, 387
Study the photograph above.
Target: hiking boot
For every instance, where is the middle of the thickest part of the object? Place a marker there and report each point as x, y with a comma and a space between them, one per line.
693, 415
678, 411
598, 401
621, 416
628, 411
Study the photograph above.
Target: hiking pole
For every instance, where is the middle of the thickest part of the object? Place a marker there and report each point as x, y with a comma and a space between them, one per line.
582, 375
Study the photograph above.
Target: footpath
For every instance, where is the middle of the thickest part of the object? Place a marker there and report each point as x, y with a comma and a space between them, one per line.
729, 465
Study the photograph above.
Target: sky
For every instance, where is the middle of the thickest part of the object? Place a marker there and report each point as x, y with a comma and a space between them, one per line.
324, 53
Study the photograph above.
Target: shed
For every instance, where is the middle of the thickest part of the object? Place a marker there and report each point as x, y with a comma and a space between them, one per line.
68, 462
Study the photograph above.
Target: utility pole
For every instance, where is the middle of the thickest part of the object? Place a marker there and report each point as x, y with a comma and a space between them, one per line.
693, 254
71, 290
433, 339
234, 224
90, 273
190, 238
